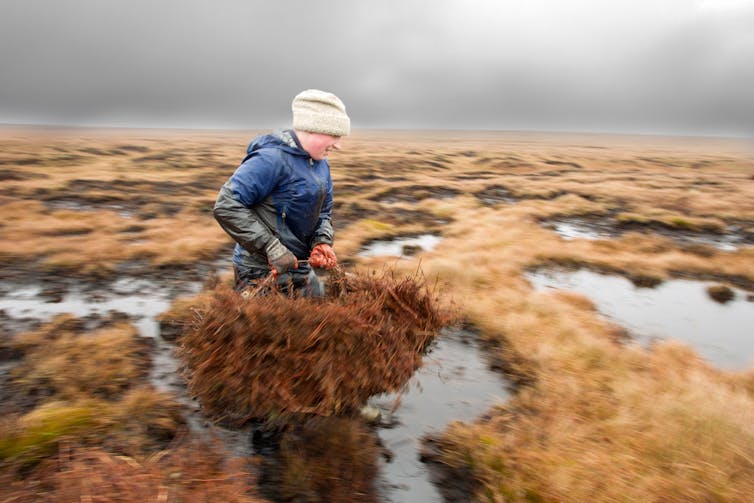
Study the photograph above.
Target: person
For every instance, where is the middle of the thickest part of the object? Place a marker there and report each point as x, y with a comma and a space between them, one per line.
277, 205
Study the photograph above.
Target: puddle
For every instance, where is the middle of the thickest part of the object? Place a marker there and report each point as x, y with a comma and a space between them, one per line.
575, 228
454, 384
724, 242
495, 194
78, 205
415, 193
400, 247
142, 300
676, 309
606, 228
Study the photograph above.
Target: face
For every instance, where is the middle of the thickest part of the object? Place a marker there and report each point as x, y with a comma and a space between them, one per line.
320, 145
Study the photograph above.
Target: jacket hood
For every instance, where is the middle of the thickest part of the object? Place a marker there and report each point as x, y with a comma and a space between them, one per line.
284, 139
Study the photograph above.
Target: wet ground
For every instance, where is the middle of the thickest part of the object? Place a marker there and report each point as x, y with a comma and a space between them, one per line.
721, 332
140, 300
606, 228
400, 247
455, 383
415, 193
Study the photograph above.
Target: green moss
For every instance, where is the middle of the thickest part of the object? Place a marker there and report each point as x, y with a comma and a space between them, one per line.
631, 218
377, 225
681, 223
38, 433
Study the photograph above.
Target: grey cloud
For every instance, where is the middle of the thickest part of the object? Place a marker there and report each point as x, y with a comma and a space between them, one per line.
647, 66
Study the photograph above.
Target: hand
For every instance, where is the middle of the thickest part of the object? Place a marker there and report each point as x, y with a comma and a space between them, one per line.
280, 258
323, 256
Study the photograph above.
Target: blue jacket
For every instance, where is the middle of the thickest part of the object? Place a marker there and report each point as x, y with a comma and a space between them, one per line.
280, 192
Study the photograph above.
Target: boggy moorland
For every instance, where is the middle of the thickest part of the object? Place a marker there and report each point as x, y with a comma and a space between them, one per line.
594, 415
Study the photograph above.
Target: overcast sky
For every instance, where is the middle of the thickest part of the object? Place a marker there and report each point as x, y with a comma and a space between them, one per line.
647, 66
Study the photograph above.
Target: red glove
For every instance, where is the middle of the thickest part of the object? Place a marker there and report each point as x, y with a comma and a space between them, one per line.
323, 256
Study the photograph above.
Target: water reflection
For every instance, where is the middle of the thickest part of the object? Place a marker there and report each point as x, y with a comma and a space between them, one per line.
454, 384
140, 299
676, 309
400, 247
606, 228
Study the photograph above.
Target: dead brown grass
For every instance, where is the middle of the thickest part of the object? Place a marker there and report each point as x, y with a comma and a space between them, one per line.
70, 366
90, 389
662, 435
274, 354
84, 201
143, 421
192, 471
26, 342
597, 419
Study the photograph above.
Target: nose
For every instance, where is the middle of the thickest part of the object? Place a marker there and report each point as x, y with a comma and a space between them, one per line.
335, 146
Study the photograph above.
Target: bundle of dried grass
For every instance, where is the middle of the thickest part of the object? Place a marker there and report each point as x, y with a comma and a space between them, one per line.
275, 355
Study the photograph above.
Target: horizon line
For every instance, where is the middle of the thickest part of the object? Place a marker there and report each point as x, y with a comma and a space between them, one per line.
112, 127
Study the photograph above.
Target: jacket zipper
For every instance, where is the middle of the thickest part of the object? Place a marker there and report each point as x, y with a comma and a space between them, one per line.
320, 182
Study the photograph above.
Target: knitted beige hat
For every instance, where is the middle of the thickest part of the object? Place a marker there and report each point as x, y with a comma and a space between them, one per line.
320, 112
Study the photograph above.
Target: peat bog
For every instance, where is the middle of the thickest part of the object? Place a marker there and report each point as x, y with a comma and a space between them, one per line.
104, 231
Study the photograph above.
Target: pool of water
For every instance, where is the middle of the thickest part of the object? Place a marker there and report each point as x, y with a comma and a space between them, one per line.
578, 229
455, 383
399, 247
142, 300
581, 228
723, 334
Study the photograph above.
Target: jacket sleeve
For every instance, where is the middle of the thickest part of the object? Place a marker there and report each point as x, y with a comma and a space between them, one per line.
324, 232
235, 206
